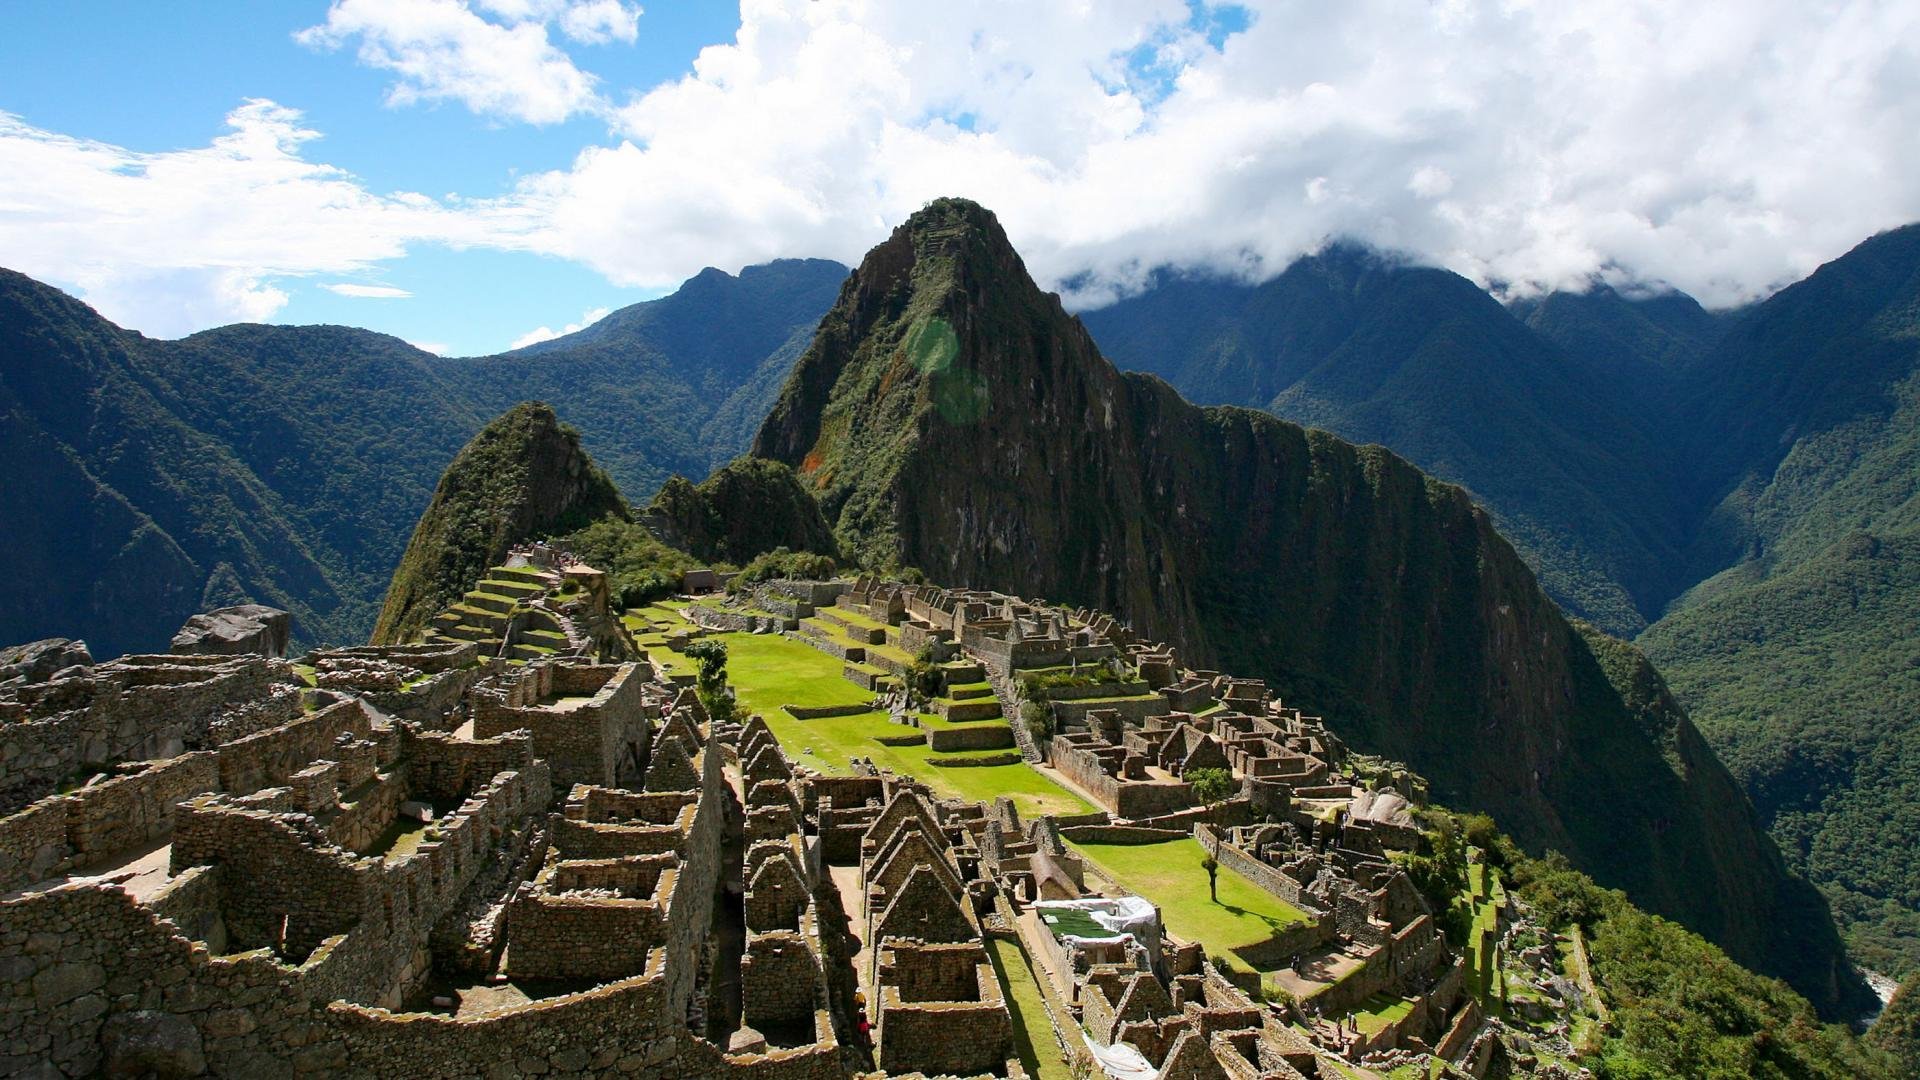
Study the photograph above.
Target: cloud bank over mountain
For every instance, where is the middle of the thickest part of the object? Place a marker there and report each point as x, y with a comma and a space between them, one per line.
1723, 150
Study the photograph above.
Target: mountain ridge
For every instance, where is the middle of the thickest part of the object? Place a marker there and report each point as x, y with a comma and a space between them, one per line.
1267, 548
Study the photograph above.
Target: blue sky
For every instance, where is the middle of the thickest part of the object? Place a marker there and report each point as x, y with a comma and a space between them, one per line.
467, 174
162, 76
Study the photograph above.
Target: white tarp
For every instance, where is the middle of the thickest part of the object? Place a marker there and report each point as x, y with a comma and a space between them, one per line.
1126, 916
1120, 1061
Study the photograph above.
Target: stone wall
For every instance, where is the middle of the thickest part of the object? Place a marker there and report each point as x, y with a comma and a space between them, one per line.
1261, 874
137, 708
961, 1038
442, 767
587, 743
268, 758
554, 935
985, 735
130, 811
33, 844
780, 980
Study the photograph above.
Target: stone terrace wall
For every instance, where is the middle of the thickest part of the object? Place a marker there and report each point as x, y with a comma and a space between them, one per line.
1125, 798
443, 767
33, 844
133, 709
583, 744
266, 759
125, 813
553, 935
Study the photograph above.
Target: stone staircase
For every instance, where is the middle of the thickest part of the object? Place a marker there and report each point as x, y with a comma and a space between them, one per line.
508, 604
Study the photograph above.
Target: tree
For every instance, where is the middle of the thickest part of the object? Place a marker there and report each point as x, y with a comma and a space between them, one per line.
711, 685
1213, 787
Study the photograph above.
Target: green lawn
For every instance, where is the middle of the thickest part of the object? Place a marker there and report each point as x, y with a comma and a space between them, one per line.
1032, 1031
769, 671
1380, 1010
1169, 875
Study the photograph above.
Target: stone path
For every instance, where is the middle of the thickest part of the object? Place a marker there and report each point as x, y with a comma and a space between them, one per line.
853, 900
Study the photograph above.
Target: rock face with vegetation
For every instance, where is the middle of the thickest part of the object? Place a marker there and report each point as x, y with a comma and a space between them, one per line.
523, 477
1558, 446
952, 417
748, 508
1736, 488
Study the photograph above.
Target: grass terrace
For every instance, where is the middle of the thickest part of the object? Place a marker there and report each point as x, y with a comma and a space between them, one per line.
1032, 1030
1380, 1010
769, 671
1169, 874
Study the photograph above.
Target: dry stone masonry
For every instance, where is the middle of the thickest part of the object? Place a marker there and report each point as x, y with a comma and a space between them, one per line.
522, 847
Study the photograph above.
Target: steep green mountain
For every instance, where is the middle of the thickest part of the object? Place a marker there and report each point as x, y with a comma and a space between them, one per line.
1748, 463
746, 508
1559, 448
1643, 338
128, 517
283, 464
523, 477
1800, 654
1897, 1031
952, 417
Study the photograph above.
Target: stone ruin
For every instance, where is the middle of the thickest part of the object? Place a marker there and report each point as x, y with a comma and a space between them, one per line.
438, 860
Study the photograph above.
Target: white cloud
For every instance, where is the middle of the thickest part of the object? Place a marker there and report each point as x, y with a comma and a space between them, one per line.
434, 347
546, 333
443, 50
181, 240
1724, 150
366, 292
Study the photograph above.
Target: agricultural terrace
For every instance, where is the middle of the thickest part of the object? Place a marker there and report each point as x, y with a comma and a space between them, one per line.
769, 671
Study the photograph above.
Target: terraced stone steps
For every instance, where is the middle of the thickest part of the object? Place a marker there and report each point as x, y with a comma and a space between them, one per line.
964, 712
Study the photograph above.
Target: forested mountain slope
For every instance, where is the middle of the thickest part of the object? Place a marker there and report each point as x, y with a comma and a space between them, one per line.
954, 418
284, 463
1556, 445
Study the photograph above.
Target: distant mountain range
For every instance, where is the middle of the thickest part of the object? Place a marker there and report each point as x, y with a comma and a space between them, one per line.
1739, 490
285, 464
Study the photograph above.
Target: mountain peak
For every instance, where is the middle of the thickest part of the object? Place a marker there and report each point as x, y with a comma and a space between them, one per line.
523, 476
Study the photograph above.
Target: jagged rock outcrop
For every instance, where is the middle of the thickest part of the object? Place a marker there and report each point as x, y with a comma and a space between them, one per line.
37, 661
243, 628
750, 506
523, 476
953, 417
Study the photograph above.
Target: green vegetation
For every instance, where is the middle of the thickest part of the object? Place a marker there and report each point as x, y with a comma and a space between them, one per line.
1212, 787
1897, 1031
1244, 914
770, 671
781, 563
524, 476
750, 507
1680, 1008
1032, 1030
715, 695
1807, 683
640, 569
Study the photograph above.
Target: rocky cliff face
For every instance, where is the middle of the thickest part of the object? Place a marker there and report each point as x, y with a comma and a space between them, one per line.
523, 476
951, 416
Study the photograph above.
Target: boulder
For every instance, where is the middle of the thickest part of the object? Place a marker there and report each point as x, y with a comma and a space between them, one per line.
38, 661
246, 628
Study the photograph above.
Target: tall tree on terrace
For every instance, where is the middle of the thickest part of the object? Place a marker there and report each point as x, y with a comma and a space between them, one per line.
1213, 787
